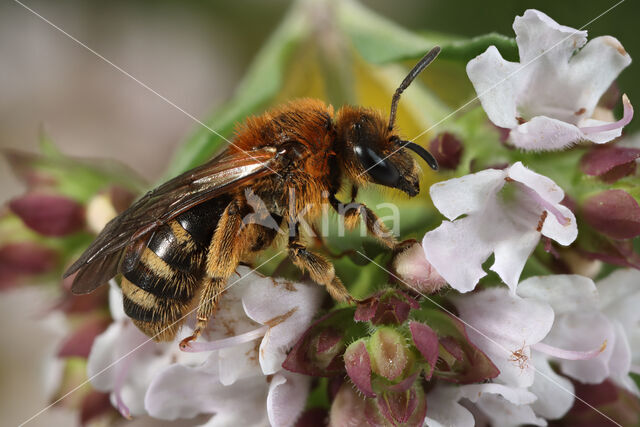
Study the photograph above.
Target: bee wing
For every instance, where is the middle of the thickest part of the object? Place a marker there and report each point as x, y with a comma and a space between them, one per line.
100, 261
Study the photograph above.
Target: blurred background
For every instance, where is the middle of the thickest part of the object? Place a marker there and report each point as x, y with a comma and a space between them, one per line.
193, 53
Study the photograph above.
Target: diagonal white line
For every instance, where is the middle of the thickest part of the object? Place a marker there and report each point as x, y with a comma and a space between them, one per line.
144, 85
137, 347
497, 84
488, 338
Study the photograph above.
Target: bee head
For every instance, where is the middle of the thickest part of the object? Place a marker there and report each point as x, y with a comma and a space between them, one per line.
372, 150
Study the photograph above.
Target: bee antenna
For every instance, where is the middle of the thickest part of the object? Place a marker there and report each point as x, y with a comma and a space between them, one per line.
420, 151
421, 65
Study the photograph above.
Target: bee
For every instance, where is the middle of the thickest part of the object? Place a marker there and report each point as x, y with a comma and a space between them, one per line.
177, 246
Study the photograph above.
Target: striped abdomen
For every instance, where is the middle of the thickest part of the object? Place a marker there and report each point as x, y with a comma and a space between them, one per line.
160, 286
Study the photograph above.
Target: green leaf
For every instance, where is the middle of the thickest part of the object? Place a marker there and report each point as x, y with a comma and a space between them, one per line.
78, 179
466, 50
258, 87
379, 40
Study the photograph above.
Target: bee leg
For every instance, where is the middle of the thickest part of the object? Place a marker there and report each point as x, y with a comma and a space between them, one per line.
222, 260
320, 270
354, 211
212, 290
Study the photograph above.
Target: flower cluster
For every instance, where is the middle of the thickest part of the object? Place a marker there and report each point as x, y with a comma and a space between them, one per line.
234, 372
389, 358
517, 307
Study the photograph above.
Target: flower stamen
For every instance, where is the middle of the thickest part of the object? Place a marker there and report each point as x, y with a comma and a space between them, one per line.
569, 354
197, 347
626, 118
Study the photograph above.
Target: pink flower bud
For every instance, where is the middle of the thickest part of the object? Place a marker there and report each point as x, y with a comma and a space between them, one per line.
447, 149
24, 259
358, 365
317, 351
614, 213
388, 352
610, 162
49, 215
416, 272
79, 343
94, 404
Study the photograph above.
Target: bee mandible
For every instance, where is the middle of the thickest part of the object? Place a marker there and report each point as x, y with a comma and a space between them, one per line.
177, 246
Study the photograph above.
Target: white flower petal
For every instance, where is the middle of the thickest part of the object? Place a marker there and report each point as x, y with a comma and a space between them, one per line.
555, 393
101, 356
444, 410
564, 292
544, 186
545, 133
182, 392
466, 194
30, 369
511, 254
505, 406
582, 331
238, 362
566, 233
115, 301
536, 32
620, 297
451, 242
620, 362
594, 68
517, 396
504, 413
287, 398
545, 49
287, 308
499, 328
600, 137
497, 83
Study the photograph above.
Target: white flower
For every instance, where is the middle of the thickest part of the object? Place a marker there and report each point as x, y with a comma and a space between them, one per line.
504, 327
506, 213
228, 373
503, 405
556, 318
590, 328
30, 370
507, 328
548, 99
619, 301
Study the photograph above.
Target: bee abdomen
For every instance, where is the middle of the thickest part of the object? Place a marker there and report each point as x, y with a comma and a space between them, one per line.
158, 317
155, 276
161, 280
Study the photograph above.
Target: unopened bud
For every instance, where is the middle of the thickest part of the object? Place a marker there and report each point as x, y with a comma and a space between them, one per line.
447, 149
388, 352
416, 272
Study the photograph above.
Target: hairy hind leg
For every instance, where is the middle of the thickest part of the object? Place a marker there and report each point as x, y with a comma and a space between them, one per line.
222, 260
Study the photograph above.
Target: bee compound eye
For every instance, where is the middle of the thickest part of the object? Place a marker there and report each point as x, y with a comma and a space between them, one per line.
381, 170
